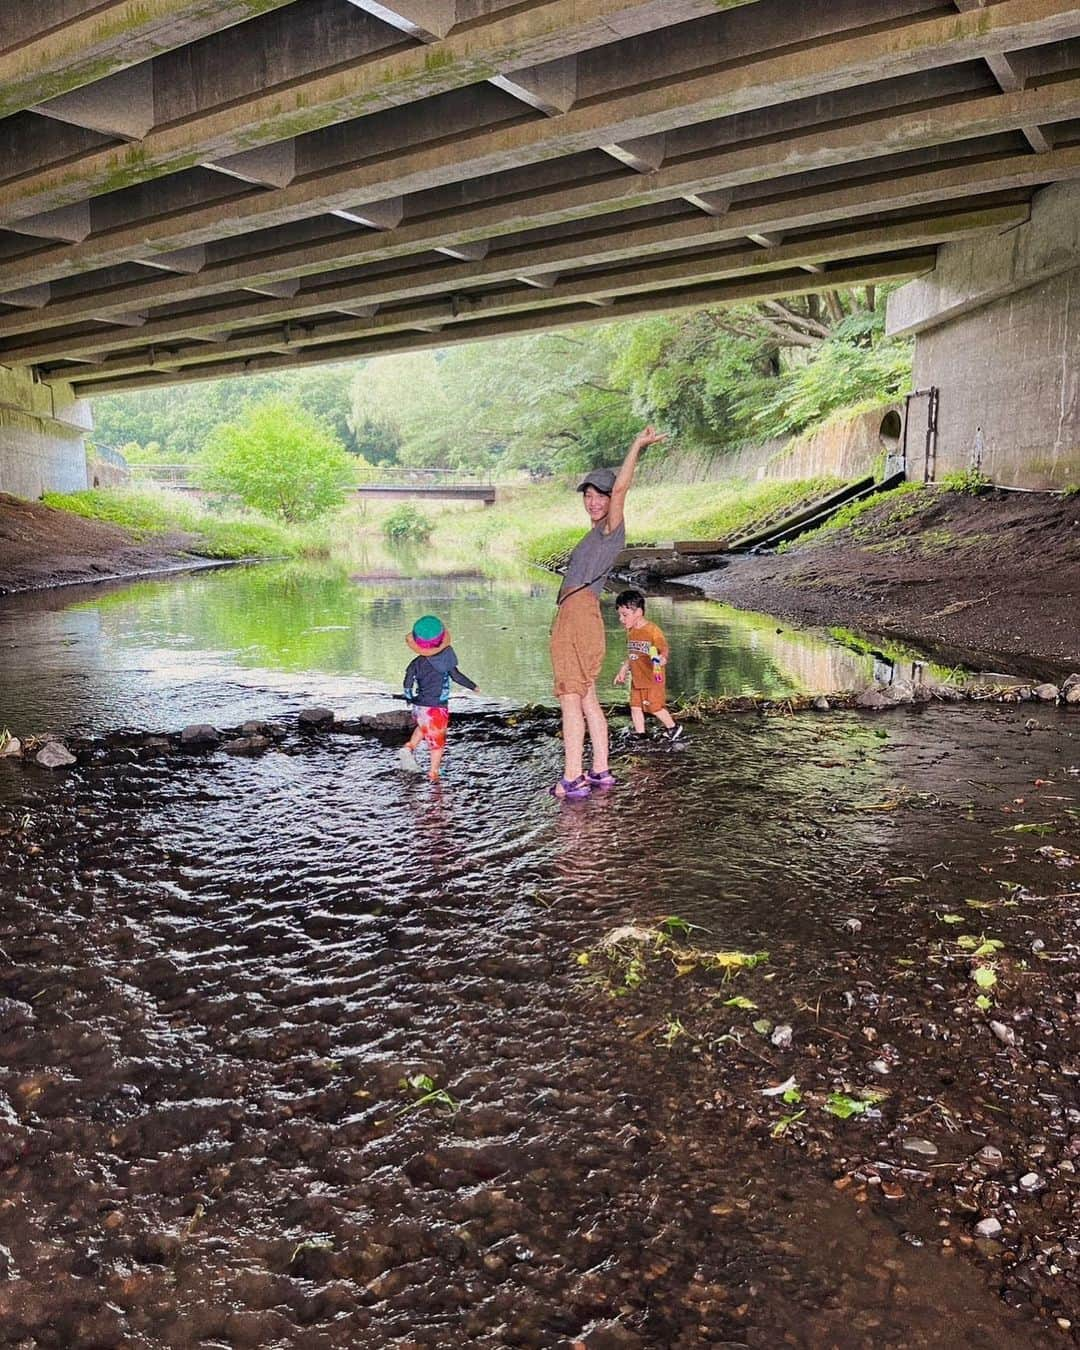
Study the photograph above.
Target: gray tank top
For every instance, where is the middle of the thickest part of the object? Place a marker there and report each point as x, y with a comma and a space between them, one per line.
592, 560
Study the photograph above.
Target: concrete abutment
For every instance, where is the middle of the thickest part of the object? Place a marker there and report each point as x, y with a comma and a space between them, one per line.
997, 334
43, 431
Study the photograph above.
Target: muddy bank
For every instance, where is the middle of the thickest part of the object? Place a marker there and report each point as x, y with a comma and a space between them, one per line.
993, 580
297, 1052
41, 547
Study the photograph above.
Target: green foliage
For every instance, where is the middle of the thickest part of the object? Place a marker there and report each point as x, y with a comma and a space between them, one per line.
145, 514
968, 481
406, 525
182, 419
898, 504
280, 460
841, 373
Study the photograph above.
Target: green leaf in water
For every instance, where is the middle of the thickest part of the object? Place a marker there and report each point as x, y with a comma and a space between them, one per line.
739, 1002
984, 976
1042, 827
983, 1003
762, 1026
951, 918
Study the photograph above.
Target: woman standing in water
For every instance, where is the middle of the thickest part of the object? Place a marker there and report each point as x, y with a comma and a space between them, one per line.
577, 637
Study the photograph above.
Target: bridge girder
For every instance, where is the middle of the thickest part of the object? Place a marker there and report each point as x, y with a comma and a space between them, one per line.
250, 185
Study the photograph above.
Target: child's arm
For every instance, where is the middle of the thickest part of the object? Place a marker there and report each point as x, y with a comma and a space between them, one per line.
410, 682
459, 677
623, 672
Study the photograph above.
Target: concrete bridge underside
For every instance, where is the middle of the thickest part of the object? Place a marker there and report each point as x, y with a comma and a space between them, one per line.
200, 188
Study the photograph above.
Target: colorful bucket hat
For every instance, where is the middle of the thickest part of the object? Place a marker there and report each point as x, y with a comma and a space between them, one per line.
428, 636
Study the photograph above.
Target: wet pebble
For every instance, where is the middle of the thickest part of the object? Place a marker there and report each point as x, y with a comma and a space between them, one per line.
922, 1148
988, 1228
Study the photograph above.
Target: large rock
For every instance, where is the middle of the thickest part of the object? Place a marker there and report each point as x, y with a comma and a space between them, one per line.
392, 720
54, 755
10, 748
199, 735
1046, 693
246, 745
881, 696
314, 719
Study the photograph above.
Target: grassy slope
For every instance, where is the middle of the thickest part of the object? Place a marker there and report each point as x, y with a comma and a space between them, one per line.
541, 523
209, 534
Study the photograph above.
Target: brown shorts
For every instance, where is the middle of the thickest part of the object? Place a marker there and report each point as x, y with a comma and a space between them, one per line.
577, 644
650, 697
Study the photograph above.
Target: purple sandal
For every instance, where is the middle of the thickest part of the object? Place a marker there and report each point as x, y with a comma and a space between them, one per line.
573, 789
604, 779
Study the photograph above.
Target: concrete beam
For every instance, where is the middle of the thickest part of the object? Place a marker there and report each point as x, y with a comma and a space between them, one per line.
28, 297
108, 38
121, 105
751, 85
69, 224
440, 335
385, 215
501, 42
645, 154
551, 88
647, 269
968, 277
709, 179
632, 282
185, 261
427, 20
269, 166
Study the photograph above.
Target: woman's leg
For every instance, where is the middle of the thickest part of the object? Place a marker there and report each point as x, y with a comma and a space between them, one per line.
598, 730
573, 730
637, 718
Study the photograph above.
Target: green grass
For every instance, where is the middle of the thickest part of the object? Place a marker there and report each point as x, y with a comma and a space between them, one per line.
902, 502
541, 523
148, 514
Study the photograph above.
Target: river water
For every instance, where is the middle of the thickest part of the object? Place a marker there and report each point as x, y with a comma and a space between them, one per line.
231, 991
243, 642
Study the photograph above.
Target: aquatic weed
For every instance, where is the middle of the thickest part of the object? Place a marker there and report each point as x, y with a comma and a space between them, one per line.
431, 1096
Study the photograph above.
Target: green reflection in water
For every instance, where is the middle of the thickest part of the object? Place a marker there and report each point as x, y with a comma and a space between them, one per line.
300, 618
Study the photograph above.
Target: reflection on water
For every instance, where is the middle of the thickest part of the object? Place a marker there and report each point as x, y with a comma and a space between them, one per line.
223, 646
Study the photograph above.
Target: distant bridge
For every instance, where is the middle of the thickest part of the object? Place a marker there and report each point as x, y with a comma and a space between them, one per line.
395, 484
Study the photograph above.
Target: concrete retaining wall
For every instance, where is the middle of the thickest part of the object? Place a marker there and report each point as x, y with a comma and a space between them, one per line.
845, 448
1009, 382
42, 436
997, 332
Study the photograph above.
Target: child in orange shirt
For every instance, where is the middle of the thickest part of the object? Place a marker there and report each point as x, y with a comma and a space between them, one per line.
646, 666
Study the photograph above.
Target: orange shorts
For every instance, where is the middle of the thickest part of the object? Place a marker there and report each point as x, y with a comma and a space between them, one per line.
652, 698
577, 644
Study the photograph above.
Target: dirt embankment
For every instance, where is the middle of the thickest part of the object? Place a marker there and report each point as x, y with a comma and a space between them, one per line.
994, 576
42, 547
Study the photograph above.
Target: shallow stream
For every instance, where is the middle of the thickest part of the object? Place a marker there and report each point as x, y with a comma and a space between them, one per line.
225, 984
253, 641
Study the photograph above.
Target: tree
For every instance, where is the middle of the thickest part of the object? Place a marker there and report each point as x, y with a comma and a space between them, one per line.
279, 459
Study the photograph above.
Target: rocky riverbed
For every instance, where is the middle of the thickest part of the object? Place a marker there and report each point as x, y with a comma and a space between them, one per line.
774, 1044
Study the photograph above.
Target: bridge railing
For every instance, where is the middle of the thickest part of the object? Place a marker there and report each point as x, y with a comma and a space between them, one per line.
385, 476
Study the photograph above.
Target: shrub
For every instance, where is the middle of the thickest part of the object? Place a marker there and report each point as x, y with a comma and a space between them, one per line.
406, 525
279, 459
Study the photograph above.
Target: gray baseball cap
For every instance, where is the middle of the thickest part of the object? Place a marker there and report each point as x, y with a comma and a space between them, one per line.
603, 480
